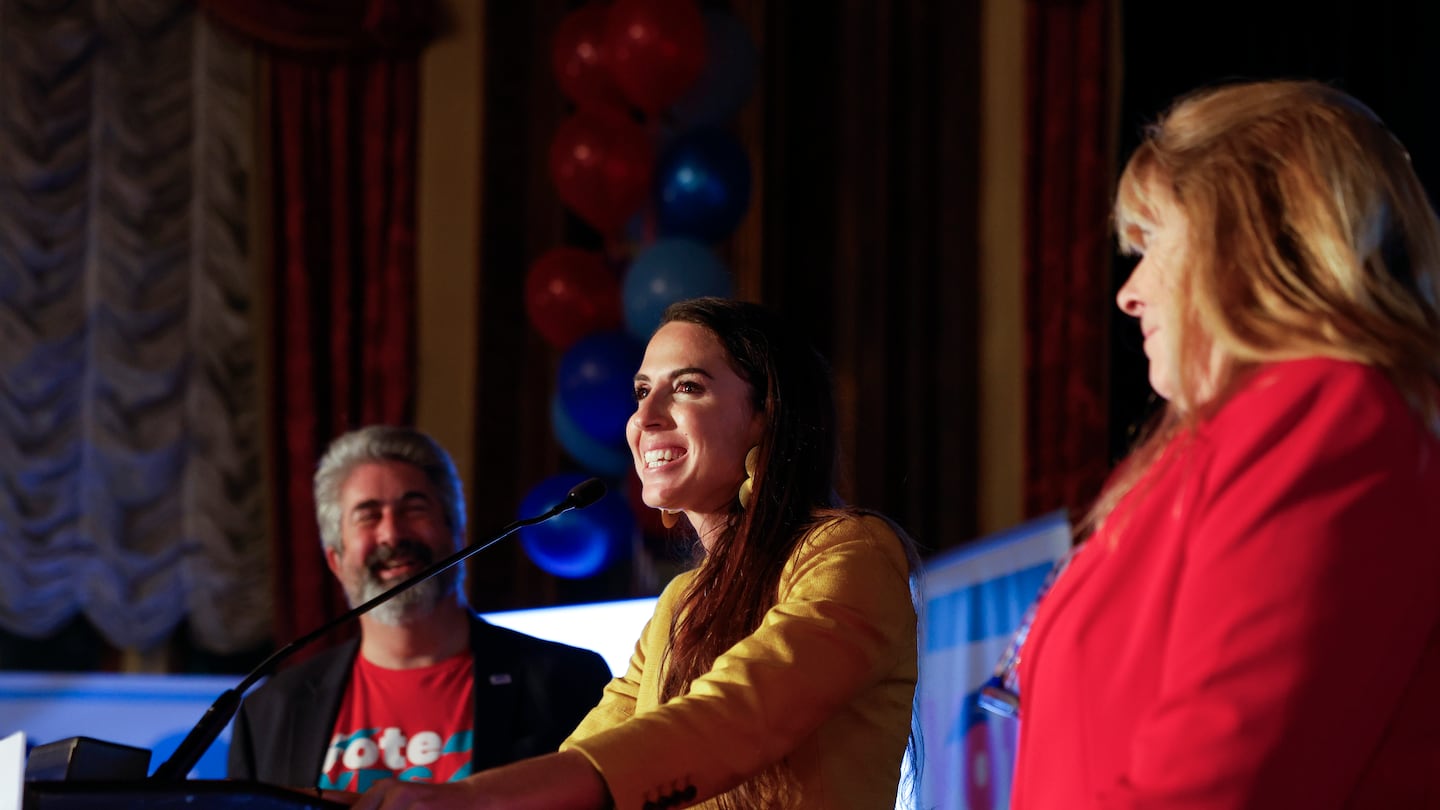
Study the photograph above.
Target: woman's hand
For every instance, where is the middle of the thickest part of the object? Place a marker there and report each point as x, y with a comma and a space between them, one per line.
563, 781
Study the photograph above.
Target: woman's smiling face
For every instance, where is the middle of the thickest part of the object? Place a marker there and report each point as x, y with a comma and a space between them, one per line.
694, 422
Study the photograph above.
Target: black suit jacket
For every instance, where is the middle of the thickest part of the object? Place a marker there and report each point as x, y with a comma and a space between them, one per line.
529, 695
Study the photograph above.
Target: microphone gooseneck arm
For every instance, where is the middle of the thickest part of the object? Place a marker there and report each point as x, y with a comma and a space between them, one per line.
203, 735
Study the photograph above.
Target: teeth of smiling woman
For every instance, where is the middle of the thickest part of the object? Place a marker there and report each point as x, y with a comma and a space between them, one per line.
657, 458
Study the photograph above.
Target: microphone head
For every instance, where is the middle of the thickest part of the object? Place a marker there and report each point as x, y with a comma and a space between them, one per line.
585, 493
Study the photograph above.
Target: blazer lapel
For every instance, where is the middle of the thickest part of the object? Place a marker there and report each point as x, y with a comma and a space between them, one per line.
314, 715
495, 697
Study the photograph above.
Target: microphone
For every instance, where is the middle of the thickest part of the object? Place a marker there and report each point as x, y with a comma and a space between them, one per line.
203, 735
585, 493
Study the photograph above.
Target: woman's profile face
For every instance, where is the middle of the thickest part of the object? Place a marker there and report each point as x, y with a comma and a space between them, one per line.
693, 424
1151, 294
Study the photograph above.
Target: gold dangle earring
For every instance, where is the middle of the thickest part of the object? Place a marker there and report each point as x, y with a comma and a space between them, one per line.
751, 459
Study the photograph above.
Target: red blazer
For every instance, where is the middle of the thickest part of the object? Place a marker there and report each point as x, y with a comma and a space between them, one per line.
1258, 623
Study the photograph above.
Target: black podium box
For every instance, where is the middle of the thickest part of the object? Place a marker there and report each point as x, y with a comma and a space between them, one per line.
86, 759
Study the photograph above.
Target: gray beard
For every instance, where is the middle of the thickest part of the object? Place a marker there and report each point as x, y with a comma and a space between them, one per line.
413, 605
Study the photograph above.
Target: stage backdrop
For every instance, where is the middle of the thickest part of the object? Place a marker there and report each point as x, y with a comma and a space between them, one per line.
974, 598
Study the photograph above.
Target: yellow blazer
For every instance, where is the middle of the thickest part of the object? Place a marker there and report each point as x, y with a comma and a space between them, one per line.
826, 682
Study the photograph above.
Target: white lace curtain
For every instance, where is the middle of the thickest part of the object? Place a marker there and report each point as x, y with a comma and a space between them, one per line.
130, 422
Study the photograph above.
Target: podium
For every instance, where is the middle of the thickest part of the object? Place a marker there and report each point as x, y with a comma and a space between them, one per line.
199, 794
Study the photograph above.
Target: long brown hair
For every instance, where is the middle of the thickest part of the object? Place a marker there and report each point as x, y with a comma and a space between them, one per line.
793, 490
1310, 236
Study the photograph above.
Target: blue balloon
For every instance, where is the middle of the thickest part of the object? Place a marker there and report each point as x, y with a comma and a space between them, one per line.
597, 457
668, 271
702, 185
596, 384
731, 62
581, 542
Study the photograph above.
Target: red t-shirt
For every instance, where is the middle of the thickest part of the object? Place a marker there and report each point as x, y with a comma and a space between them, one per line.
417, 725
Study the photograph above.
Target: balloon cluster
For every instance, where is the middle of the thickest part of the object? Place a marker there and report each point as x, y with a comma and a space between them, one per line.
647, 161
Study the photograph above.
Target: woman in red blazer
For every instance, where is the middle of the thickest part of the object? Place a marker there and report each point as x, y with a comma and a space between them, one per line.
1254, 620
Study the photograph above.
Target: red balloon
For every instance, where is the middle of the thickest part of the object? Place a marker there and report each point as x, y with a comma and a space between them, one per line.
579, 58
600, 161
656, 49
571, 293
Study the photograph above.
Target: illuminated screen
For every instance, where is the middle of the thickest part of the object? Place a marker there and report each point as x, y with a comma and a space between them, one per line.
608, 628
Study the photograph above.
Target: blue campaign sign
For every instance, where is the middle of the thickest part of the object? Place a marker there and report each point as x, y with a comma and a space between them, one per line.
975, 598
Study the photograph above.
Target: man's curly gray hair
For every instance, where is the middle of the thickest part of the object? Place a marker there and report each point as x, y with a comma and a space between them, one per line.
385, 443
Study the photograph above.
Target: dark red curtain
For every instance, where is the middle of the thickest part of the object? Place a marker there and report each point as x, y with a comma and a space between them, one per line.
1069, 169
343, 112
344, 214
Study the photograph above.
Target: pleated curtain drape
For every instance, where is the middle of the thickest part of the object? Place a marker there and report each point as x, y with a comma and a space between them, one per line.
133, 487
130, 477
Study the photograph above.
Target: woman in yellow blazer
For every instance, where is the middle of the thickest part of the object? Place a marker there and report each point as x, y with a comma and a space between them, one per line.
778, 673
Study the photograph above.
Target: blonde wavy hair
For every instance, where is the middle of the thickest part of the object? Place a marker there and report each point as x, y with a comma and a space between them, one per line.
1309, 236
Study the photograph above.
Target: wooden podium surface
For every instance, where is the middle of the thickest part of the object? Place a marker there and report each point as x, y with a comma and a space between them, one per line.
199, 794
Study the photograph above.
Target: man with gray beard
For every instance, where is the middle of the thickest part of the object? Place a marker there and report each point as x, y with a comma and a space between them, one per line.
429, 692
